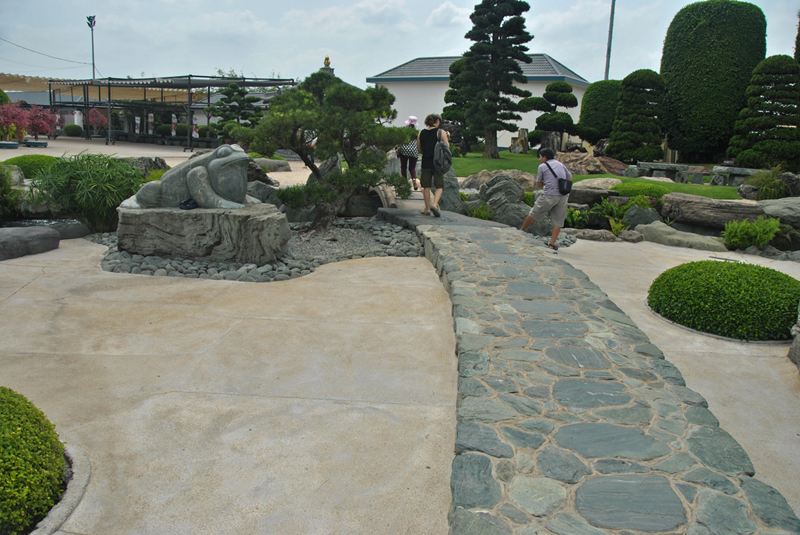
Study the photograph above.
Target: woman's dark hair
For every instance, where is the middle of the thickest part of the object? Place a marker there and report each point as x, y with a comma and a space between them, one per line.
431, 119
547, 153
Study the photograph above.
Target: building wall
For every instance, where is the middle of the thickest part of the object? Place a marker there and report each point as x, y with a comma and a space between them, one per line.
421, 98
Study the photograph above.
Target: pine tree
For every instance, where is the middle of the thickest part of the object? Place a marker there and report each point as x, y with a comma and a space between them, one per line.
555, 94
484, 83
637, 128
767, 131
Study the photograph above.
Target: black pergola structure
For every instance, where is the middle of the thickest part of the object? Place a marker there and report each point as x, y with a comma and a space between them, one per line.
153, 93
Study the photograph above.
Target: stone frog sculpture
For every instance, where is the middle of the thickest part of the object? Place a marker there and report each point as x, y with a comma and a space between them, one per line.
214, 180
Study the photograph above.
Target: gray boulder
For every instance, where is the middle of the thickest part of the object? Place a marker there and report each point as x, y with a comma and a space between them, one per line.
361, 206
584, 195
746, 191
631, 236
15, 173
591, 234
331, 165
792, 183
504, 195
786, 209
255, 234
600, 148
263, 192
257, 174
146, 164
273, 166
636, 216
451, 200
718, 180
658, 232
22, 241
706, 212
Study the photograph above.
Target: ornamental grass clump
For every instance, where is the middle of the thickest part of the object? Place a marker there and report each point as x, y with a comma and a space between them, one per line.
31, 464
741, 301
89, 187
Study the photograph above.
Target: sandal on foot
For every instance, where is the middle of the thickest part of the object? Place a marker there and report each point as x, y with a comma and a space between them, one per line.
553, 246
436, 212
425, 213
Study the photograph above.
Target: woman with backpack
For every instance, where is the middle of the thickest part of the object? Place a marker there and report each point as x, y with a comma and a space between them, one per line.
426, 141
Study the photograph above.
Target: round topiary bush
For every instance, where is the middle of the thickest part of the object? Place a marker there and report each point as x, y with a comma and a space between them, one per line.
741, 301
164, 130
72, 130
31, 164
31, 464
634, 189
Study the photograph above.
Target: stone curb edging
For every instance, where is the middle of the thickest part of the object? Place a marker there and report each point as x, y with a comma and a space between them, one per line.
81, 471
569, 420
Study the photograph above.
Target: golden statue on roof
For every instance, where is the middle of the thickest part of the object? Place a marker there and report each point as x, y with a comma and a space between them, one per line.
327, 61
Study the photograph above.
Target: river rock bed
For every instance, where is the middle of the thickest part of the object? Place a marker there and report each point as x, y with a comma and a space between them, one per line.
347, 239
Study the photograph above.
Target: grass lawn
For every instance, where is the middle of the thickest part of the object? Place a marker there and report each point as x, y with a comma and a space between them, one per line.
472, 163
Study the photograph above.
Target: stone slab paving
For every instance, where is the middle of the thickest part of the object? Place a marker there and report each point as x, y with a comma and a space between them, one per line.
570, 421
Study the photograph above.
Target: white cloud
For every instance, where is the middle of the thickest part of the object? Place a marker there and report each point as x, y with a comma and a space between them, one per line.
448, 14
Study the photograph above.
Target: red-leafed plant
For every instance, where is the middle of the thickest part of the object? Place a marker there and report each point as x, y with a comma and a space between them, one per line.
41, 121
97, 119
13, 121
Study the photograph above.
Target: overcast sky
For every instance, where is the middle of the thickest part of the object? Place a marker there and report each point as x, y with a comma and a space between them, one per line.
290, 39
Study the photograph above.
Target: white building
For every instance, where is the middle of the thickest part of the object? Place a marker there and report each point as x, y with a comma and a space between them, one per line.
420, 85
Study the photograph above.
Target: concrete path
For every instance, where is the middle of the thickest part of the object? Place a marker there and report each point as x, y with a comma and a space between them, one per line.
319, 405
753, 389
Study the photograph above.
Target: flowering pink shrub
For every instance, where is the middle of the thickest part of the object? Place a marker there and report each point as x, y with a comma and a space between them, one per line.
97, 119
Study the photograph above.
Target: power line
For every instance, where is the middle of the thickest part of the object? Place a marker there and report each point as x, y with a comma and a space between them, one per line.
43, 54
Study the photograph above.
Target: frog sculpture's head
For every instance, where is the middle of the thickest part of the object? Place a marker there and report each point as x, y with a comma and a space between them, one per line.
227, 169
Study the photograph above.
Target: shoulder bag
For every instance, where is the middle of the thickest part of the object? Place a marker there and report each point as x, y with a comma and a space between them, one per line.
564, 185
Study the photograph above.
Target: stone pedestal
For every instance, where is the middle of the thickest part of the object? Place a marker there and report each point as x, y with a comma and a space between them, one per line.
257, 233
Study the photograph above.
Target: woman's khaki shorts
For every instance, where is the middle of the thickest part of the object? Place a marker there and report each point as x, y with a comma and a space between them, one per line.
555, 205
429, 175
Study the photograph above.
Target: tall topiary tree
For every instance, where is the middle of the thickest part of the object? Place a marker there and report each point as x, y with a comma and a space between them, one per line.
767, 131
484, 82
236, 106
555, 94
599, 106
710, 51
637, 129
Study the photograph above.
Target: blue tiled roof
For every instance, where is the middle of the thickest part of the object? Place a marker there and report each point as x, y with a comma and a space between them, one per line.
542, 68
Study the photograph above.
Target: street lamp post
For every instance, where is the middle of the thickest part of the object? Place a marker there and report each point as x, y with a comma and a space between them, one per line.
90, 21
610, 32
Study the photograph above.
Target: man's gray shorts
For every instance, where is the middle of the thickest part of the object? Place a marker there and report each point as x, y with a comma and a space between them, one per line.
555, 205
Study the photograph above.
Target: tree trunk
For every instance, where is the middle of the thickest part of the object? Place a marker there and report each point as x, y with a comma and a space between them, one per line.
490, 149
328, 212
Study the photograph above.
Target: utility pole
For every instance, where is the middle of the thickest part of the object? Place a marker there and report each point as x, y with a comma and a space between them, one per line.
610, 32
90, 21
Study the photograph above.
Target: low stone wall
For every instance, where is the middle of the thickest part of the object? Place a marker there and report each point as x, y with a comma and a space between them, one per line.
569, 420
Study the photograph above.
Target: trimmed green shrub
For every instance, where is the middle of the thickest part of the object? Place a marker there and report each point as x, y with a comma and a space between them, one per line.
482, 211
31, 464
638, 200
710, 51
556, 94
206, 131
634, 189
745, 233
599, 106
741, 301
534, 137
73, 130
181, 129
9, 197
164, 130
89, 187
31, 164
767, 131
636, 134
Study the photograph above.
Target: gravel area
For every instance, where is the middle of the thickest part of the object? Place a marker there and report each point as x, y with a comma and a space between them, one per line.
347, 239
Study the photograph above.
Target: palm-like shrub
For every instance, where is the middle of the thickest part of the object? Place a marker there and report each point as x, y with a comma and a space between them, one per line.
31, 464
741, 301
637, 129
89, 187
767, 131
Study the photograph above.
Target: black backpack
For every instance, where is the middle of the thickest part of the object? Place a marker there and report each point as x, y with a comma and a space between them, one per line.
442, 157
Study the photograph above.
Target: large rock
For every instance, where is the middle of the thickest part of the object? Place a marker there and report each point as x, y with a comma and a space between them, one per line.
792, 183
590, 196
273, 166
600, 148
705, 212
504, 195
263, 192
22, 241
146, 164
451, 200
361, 206
15, 173
591, 234
636, 215
255, 234
658, 232
598, 183
611, 165
746, 191
526, 180
786, 209
581, 163
257, 174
